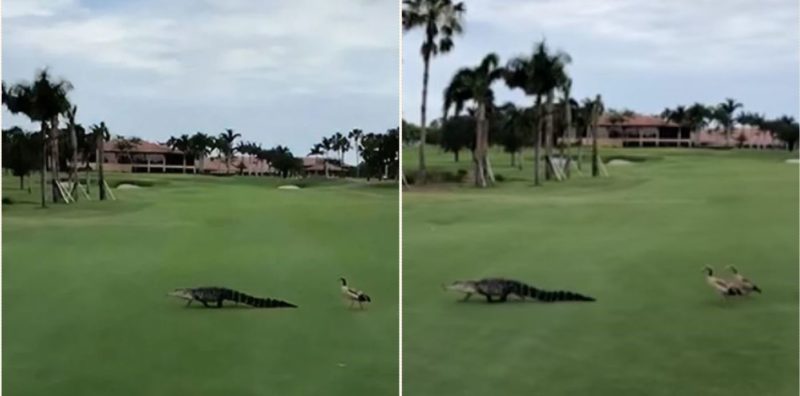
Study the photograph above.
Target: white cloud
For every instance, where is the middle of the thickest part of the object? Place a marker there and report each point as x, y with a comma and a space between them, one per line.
691, 34
305, 42
34, 8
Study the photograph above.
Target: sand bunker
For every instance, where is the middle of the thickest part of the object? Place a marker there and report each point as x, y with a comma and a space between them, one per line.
125, 186
616, 162
793, 161
288, 187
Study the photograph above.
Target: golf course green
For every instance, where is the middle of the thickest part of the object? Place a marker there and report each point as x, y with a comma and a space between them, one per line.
85, 305
637, 241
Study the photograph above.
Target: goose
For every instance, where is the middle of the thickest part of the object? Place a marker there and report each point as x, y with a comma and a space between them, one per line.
354, 295
744, 284
724, 288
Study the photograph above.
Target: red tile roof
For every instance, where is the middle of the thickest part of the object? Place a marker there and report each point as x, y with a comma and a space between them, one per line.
142, 147
637, 120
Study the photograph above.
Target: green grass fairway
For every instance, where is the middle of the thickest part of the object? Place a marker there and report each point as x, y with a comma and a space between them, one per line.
636, 241
85, 310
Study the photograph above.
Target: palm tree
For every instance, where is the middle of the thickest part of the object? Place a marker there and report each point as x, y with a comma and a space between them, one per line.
724, 114
327, 145
582, 114
225, 145
597, 109
567, 102
440, 20
697, 116
539, 75
101, 135
182, 144
618, 117
200, 145
680, 115
355, 135
475, 84
340, 145
73, 174
126, 146
42, 101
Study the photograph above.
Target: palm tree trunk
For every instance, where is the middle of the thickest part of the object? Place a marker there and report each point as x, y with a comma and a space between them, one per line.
43, 174
101, 181
548, 153
87, 177
538, 145
487, 164
580, 152
570, 131
423, 129
54, 151
479, 158
74, 170
595, 158
358, 160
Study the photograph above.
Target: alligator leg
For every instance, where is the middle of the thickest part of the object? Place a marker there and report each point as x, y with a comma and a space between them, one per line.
188, 303
466, 297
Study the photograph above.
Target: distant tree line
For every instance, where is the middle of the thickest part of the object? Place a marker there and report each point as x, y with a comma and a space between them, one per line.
60, 142
553, 121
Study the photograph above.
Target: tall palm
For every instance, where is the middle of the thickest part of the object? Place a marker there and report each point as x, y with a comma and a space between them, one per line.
724, 114
539, 75
101, 135
697, 116
73, 174
355, 135
596, 110
475, 84
582, 114
41, 101
327, 145
200, 146
681, 116
566, 89
183, 144
441, 21
225, 141
340, 145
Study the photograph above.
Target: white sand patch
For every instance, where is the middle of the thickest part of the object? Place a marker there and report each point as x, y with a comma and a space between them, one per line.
617, 162
793, 161
125, 186
288, 187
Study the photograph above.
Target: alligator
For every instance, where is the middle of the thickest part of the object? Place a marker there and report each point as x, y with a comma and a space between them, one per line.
500, 289
216, 295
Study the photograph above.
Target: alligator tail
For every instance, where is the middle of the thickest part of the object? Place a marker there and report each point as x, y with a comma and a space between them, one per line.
549, 296
559, 295
258, 302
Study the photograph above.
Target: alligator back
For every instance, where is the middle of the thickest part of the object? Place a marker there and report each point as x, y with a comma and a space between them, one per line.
503, 287
218, 294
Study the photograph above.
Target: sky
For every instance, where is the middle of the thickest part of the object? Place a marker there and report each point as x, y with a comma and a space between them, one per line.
278, 72
640, 55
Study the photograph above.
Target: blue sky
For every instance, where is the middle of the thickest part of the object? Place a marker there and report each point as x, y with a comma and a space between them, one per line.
278, 72
641, 55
